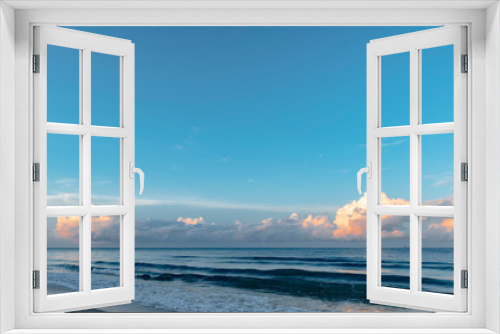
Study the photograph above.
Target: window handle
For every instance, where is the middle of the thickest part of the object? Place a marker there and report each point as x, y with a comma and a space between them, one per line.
139, 171
368, 171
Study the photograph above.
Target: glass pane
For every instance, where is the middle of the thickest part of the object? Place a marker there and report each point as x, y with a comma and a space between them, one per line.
63, 255
105, 252
395, 89
63, 169
437, 169
63, 85
105, 90
395, 170
437, 84
437, 254
105, 171
395, 236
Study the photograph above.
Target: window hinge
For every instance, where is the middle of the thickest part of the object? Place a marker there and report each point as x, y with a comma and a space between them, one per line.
465, 279
36, 279
36, 172
464, 171
36, 63
465, 64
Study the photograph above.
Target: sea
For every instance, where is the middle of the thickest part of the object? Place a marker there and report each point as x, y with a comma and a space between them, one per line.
254, 279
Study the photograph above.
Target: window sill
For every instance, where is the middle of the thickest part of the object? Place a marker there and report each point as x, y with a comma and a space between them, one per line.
254, 331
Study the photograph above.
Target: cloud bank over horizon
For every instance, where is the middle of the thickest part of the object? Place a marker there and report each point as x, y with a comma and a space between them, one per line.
346, 228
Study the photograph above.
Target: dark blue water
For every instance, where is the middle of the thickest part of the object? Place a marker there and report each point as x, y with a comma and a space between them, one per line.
254, 280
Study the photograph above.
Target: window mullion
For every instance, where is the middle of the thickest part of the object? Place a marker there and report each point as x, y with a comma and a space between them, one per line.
85, 167
414, 170
85, 157
81, 231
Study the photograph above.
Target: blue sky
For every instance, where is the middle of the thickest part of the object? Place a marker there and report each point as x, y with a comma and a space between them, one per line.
242, 124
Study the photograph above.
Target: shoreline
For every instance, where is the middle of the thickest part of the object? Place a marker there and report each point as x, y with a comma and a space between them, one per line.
135, 307
132, 307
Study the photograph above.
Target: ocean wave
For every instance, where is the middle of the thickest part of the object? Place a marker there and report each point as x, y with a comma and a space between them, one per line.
345, 263
105, 271
283, 272
302, 259
94, 269
67, 266
280, 280
438, 282
294, 287
359, 265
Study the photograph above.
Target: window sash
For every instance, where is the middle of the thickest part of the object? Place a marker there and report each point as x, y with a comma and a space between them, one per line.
86, 297
413, 43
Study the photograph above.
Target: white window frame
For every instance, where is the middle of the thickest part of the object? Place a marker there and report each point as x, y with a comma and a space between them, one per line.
16, 128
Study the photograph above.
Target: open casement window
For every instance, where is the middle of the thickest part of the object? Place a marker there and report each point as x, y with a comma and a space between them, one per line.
421, 128
78, 218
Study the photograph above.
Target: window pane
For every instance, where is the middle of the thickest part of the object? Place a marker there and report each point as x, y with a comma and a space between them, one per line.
63, 85
437, 84
105, 90
437, 254
63, 255
395, 236
395, 170
437, 169
105, 171
105, 252
395, 89
63, 169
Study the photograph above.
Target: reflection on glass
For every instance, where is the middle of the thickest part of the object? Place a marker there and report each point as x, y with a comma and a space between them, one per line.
437, 85
395, 170
63, 170
395, 89
63, 85
395, 236
63, 255
105, 90
437, 169
105, 171
437, 254
105, 252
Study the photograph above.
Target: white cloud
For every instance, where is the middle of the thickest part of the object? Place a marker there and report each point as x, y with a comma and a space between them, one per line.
63, 199
443, 183
393, 142
191, 221
73, 199
66, 181
215, 204
440, 180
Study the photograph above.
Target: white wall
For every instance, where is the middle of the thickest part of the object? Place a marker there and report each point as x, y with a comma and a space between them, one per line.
7, 166
493, 162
